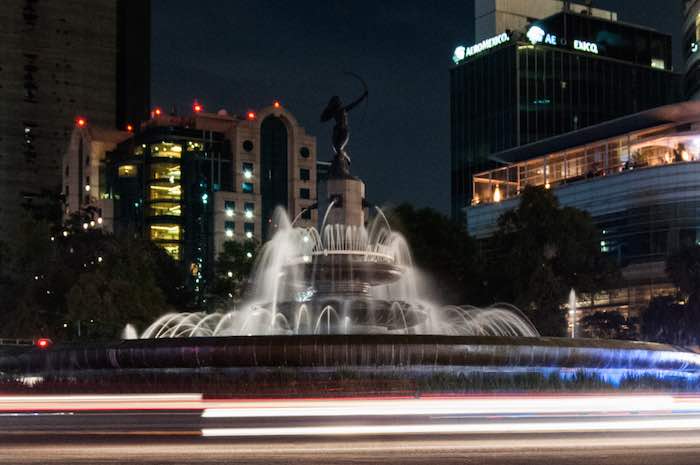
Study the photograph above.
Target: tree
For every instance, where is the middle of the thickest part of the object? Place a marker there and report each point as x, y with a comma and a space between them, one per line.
677, 319
444, 250
665, 320
70, 280
541, 251
232, 273
609, 325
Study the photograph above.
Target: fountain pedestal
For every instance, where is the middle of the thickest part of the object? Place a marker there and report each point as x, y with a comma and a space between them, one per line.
348, 194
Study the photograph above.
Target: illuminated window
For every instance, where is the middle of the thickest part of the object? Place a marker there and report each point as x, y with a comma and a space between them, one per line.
166, 209
165, 191
173, 250
249, 209
229, 208
247, 170
165, 232
247, 187
249, 230
229, 228
305, 193
127, 171
138, 150
169, 172
166, 150
194, 146
304, 174
658, 63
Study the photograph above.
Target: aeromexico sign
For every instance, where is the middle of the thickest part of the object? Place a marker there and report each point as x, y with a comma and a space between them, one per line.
462, 52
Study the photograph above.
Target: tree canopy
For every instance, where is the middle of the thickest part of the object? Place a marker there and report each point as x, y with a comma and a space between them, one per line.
443, 250
539, 253
68, 281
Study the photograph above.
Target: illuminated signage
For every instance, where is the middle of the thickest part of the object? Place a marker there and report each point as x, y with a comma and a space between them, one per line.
584, 46
462, 52
537, 35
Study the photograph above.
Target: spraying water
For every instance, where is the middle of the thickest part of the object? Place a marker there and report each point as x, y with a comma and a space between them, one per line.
343, 279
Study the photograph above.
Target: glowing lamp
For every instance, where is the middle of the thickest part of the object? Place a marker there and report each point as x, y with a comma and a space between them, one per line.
81, 122
129, 128
44, 343
497, 194
157, 112
197, 107
276, 104
251, 115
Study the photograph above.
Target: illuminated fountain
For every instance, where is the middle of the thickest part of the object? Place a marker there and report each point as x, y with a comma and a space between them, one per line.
346, 280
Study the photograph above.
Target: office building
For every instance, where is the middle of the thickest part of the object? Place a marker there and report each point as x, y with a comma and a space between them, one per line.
492, 17
191, 182
639, 178
59, 60
559, 74
691, 48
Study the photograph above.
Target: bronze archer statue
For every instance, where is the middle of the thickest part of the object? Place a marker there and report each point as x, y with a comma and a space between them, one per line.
341, 131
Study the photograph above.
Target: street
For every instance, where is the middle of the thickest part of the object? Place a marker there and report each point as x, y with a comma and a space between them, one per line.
185, 429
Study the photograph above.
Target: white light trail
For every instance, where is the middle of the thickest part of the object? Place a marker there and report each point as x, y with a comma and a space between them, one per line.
491, 405
639, 424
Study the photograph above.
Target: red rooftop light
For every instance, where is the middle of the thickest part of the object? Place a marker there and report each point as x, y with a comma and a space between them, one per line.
276, 104
251, 115
157, 111
80, 121
129, 128
44, 343
197, 107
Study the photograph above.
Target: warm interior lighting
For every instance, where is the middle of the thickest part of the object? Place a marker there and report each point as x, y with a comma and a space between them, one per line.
251, 115
497, 194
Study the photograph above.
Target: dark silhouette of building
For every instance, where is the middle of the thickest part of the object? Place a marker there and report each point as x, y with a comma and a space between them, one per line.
61, 63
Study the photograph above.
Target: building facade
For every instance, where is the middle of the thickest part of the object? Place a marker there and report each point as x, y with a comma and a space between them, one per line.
691, 48
638, 177
564, 72
492, 17
189, 183
59, 60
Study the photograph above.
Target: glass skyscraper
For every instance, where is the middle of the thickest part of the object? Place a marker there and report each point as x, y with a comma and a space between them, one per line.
562, 73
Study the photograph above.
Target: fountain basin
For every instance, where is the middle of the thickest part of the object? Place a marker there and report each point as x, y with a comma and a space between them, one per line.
376, 352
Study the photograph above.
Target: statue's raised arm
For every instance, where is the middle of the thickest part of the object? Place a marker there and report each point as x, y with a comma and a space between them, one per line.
341, 130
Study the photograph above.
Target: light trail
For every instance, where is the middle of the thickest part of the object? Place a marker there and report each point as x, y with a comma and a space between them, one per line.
41, 403
486, 405
484, 427
436, 406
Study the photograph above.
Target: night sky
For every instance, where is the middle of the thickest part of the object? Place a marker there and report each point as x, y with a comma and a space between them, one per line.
242, 55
